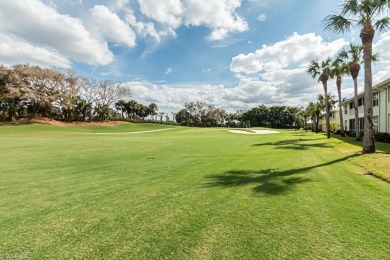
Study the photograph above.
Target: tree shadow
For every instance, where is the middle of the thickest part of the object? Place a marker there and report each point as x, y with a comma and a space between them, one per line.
295, 144
267, 181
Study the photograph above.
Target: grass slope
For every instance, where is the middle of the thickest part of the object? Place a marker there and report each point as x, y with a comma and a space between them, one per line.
187, 193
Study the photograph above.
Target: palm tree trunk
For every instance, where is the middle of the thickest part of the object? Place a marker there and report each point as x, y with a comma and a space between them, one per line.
367, 36
340, 107
327, 111
356, 104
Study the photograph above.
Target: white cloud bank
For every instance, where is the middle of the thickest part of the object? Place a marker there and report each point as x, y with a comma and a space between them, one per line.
33, 27
40, 27
272, 75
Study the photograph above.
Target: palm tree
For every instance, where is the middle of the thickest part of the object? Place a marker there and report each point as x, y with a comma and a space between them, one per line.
368, 15
173, 116
310, 113
131, 108
322, 69
121, 105
153, 109
353, 55
338, 70
318, 108
161, 116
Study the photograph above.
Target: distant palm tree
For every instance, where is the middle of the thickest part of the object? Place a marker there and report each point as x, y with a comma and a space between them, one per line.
353, 55
121, 105
322, 71
318, 108
368, 15
161, 115
173, 116
310, 112
339, 68
153, 109
131, 108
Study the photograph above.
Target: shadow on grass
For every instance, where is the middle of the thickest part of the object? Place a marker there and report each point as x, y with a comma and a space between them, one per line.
295, 144
267, 181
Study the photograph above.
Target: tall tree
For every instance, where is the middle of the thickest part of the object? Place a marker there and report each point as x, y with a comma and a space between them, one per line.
368, 15
311, 113
322, 71
153, 110
339, 68
121, 105
353, 56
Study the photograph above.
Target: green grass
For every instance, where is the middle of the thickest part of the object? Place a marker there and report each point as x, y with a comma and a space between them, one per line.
187, 193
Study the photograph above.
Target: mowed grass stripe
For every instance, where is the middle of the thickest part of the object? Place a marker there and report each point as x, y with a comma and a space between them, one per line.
188, 193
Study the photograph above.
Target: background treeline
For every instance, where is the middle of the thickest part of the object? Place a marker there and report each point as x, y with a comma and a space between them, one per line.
201, 114
32, 91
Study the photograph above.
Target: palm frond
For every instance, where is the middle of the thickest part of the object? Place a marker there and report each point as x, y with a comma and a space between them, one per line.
350, 7
337, 23
375, 58
382, 24
313, 69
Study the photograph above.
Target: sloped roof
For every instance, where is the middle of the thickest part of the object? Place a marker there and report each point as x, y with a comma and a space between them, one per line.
375, 88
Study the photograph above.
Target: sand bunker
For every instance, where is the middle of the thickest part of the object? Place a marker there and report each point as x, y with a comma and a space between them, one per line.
254, 132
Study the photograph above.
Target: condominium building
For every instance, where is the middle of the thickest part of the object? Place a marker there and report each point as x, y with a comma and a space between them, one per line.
381, 110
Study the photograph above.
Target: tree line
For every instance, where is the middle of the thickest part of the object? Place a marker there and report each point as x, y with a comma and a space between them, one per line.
31, 91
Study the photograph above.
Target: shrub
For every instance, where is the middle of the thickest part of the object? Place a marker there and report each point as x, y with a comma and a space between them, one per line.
382, 137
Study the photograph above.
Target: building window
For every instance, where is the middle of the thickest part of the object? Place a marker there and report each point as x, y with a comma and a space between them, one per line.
345, 110
375, 100
345, 125
351, 105
376, 125
351, 124
361, 124
361, 102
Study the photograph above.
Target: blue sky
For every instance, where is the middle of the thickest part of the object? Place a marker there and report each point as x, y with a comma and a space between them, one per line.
235, 54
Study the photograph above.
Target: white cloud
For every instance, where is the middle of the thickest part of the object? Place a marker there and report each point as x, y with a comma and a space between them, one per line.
15, 50
145, 29
249, 93
262, 17
168, 12
296, 50
382, 48
272, 75
168, 71
218, 15
111, 26
42, 27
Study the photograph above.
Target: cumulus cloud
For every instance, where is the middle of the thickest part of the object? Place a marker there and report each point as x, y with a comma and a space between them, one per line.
111, 26
249, 93
218, 15
296, 50
44, 28
168, 12
15, 50
145, 29
277, 73
272, 75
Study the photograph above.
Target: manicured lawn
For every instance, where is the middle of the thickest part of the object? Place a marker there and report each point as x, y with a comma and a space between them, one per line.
187, 193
